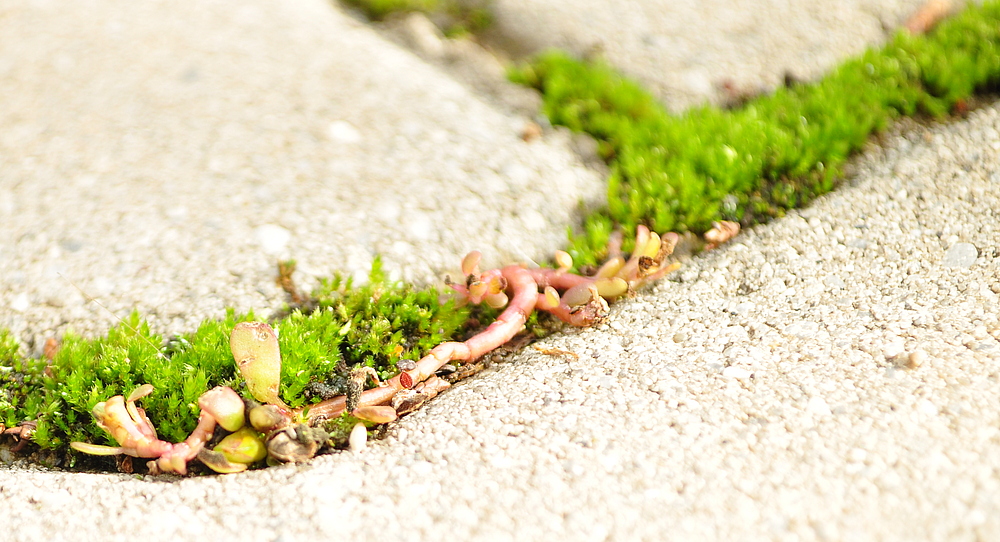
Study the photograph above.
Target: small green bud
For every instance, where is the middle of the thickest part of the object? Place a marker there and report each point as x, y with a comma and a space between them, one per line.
471, 262
651, 247
610, 267
497, 300
243, 446
267, 417
563, 260
611, 287
96, 449
580, 294
225, 405
551, 298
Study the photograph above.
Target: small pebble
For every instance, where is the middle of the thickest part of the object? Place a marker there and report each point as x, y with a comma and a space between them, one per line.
20, 303
736, 372
916, 359
818, 405
834, 282
342, 131
272, 238
927, 408
960, 255
358, 440
801, 330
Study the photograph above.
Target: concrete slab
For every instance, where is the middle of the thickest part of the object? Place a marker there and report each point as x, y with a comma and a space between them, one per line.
165, 159
692, 51
833, 375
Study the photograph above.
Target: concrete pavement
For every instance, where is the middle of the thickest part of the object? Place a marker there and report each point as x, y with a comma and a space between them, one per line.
832, 375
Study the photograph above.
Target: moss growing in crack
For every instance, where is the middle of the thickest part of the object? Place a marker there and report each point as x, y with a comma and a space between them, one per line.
380, 9
454, 18
376, 325
676, 173
85, 372
20, 381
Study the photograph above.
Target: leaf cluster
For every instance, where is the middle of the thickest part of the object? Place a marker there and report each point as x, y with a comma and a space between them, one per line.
677, 173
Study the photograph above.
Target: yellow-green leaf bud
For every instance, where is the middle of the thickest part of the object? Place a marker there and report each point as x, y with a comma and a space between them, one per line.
255, 349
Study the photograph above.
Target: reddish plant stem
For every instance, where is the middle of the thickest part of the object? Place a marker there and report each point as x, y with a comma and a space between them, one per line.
557, 279
176, 457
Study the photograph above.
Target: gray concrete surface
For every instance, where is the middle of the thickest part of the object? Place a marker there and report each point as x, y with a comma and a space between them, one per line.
165, 159
692, 51
834, 375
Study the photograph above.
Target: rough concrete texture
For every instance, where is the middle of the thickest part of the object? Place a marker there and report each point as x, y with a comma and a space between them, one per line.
165, 159
692, 51
834, 375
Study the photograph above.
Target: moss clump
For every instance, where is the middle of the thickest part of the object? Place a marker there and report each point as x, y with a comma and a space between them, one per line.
677, 173
85, 372
20, 381
376, 325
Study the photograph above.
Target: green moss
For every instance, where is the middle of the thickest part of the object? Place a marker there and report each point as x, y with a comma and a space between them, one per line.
455, 18
677, 173
376, 324
19, 380
85, 372
380, 9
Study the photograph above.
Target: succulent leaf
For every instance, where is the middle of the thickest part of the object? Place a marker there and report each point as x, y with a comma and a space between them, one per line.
255, 349
219, 463
244, 446
375, 414
225, 405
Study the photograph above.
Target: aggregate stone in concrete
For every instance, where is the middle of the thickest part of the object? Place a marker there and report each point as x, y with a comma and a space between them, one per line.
165, 158
692, 51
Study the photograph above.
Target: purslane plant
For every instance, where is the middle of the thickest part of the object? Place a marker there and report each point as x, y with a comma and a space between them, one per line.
289, 434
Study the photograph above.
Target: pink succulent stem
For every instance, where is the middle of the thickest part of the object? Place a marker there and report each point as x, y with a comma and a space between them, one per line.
176, 457
560, 280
